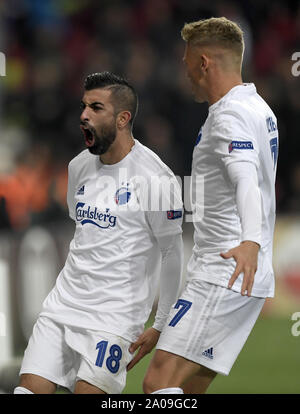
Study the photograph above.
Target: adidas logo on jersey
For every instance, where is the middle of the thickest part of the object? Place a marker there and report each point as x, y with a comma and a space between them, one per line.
208, 353
80, 191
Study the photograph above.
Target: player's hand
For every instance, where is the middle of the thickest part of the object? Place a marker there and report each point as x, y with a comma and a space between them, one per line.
146, 342
245, 255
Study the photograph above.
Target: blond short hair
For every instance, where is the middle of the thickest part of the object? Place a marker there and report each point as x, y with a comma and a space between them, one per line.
216, 31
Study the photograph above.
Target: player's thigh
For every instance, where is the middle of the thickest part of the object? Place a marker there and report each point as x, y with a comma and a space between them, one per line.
48, 356
37, 384
168, 370
103, 360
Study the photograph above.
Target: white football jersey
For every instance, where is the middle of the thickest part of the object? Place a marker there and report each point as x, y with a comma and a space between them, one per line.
110, 277
239, 127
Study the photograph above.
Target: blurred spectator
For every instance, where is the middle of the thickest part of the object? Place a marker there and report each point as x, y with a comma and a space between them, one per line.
26, 189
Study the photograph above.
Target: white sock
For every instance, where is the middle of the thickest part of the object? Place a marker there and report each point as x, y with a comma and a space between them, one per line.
22, 390
168, 391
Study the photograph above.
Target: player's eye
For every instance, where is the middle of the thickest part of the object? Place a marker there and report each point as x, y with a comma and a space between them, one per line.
82, 106
96, 108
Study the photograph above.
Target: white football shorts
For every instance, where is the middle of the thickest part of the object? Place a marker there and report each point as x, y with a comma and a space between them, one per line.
209, 325
65, 355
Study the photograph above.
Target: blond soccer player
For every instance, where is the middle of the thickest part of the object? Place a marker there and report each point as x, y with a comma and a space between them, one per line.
229, 273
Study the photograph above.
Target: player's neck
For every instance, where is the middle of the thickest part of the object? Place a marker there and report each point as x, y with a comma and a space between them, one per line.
222, 86
118, 150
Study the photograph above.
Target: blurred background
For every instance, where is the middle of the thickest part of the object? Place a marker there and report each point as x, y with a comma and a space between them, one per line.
49, 47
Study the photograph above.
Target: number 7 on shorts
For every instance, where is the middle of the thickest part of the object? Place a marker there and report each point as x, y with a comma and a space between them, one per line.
184, 306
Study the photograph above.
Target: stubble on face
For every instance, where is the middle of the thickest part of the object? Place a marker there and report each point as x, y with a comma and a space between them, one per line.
103, 138
98, 124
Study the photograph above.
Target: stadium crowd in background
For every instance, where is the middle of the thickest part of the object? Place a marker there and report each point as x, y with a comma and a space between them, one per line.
51, 45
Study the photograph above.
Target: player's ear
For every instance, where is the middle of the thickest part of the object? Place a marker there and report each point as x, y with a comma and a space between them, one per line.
123, 119
204, 62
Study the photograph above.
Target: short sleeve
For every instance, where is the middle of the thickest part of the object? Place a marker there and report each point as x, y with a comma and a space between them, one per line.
165, 214
235, 137
71, 193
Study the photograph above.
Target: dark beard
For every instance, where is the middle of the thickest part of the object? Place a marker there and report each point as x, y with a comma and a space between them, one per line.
103, 140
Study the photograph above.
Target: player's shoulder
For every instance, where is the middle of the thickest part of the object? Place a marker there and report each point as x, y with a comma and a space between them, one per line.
84, 157
82, 164
150, 162
242, 103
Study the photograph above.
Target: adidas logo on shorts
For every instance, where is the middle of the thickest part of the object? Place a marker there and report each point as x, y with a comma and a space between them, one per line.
208, 353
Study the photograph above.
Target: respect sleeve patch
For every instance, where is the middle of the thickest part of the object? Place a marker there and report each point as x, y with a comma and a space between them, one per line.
241, 145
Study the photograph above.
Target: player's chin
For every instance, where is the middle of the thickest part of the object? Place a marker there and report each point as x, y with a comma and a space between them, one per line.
97, 149
198, 98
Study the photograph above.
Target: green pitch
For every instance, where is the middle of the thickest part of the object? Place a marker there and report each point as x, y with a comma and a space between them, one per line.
268, 364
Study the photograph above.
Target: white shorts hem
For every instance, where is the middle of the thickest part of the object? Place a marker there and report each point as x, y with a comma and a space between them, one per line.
214, 367
47, 376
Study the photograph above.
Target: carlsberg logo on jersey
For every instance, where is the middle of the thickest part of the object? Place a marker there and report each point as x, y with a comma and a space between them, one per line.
93, 216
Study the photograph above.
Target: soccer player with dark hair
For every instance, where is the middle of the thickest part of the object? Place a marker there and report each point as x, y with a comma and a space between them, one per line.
92, 321
230, 273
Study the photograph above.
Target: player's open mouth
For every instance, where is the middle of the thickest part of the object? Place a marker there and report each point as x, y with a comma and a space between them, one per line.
88, 135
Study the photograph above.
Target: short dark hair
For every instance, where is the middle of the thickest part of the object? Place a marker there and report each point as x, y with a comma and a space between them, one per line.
123, 94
